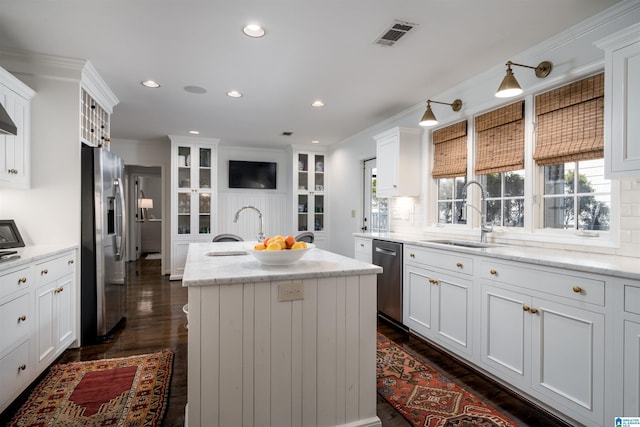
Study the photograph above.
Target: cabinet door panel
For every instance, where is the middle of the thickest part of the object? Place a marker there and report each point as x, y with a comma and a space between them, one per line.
631, 369
65, 312
568, 357
454, 311
417, 300
46, 342
506, 332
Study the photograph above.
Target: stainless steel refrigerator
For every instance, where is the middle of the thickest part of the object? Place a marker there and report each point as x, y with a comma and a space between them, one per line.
103, 288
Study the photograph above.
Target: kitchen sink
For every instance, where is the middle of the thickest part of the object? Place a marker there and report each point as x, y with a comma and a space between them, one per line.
462, 243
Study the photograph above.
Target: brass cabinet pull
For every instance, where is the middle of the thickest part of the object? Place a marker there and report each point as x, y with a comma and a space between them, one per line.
577, 289
22, 280
525, 307
70, 262
412, 255
459, 264
493, 272
43, 272
434, 281
22, 367
22, 318
534, 310
58, 290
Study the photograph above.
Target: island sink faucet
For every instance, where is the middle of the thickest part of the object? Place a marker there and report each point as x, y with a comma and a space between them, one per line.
261, 235
485, 227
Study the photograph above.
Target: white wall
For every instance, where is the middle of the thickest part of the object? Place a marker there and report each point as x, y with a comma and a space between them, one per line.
572, 54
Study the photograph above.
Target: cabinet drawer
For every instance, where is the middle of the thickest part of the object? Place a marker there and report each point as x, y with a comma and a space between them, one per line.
575, 287
15, 281
632, 299
15, 321
15, 373
363, 248
451, 261
55, 268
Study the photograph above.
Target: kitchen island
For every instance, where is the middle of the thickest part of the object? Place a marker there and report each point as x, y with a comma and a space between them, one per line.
280, 345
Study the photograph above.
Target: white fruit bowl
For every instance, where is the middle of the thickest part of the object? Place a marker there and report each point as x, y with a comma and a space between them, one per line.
283, 257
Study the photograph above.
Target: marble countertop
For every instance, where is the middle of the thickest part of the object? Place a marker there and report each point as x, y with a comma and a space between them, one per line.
30, 254
610, 265
202, 269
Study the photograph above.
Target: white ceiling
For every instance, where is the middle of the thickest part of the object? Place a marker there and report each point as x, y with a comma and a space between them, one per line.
312, 50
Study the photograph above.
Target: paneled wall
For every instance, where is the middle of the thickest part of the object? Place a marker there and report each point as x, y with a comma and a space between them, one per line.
274, 208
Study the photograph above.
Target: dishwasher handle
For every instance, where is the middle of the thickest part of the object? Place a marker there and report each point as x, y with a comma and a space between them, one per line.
386, 251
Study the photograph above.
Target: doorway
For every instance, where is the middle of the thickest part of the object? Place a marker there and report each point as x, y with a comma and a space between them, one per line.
144, 185
375, 210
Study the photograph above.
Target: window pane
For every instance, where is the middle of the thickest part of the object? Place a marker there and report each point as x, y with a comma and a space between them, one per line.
460, 181
444, 212
445, 188
594, 212
559, 212
492, 184
558, 179
514, 213
513, 184
458, 217
493, 212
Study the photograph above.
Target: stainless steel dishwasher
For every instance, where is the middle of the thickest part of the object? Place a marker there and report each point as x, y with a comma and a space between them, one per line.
388, 255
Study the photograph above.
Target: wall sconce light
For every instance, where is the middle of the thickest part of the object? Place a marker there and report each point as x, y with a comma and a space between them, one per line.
429, 119
510, 87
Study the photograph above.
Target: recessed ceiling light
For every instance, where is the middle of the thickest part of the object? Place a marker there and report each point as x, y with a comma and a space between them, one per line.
253, 30
150, 83
194, 132
315, 141
234, 94
317, 103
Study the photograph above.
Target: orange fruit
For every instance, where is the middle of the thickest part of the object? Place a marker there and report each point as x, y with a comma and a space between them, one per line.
299, 245
265, 242
289, 240
274, 246
259, 247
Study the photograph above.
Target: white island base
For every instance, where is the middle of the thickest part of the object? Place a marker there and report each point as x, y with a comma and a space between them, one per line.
255, 360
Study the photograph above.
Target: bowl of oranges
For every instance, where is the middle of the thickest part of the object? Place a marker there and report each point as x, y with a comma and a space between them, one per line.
279, 250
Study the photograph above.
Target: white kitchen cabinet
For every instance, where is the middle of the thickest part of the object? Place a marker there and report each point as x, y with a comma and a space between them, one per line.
310, 192
622, 103
193, 196
437, 297
398, 162
15, 157
543, 332
363, 249
55, 307
94, 121
631, 349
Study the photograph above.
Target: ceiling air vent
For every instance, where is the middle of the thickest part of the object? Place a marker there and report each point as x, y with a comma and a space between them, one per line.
394, 33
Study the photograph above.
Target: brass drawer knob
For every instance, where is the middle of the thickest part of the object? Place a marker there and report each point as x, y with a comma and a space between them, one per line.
493, 272
58, 290
577, 289
434, 281
43, 272
22, 367
459, 264
22, 318
526, 307
22, 280
534, 310
362, 245
412, 255
70, 262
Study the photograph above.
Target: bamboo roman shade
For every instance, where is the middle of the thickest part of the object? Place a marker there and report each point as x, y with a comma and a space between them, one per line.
500, 139
450, 151
571, 122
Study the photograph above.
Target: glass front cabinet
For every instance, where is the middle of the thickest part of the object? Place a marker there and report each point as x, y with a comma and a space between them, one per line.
309, 189
193, 196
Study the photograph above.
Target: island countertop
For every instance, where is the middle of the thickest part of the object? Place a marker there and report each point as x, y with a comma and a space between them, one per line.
202, 268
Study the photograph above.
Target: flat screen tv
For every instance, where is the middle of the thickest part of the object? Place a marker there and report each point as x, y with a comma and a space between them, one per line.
246, 174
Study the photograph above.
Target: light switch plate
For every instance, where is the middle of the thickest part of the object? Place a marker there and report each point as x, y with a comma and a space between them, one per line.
290, 292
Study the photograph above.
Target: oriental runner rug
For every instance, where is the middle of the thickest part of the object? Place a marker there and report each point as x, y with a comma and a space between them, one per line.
128, 391
425, 397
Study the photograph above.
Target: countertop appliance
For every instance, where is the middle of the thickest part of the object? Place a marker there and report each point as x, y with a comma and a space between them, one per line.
103, 274
388, 255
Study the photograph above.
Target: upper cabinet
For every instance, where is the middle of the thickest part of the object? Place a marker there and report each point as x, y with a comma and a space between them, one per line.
622, 103
15, 97
94, 122
310, 191
398, 162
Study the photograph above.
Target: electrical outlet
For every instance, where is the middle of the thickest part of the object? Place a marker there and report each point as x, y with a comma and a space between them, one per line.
290, 292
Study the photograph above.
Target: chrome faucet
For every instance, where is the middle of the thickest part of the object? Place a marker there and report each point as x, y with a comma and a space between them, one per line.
485, 227
261, 235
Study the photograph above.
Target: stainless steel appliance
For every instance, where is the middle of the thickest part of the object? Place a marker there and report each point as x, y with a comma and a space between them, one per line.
103, 288
388, 255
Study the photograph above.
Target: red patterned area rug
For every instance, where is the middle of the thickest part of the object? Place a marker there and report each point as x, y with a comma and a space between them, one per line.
425, 397
128, 391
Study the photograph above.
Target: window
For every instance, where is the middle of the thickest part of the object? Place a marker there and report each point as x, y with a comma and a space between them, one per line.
577, 196
505, 198
450, 200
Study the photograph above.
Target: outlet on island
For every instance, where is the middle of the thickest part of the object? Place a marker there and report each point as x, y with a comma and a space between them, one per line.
290, 292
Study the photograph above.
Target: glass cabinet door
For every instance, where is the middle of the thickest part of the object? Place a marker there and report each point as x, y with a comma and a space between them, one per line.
204, 169
310, 192
204, 213
184, 213
184, 167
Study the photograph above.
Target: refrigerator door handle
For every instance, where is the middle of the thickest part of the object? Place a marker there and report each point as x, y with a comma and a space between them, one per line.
122, 232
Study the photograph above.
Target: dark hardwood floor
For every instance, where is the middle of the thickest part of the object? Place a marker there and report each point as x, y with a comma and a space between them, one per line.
155, 320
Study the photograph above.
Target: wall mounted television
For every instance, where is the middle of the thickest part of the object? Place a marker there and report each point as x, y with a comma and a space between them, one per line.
248, 174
